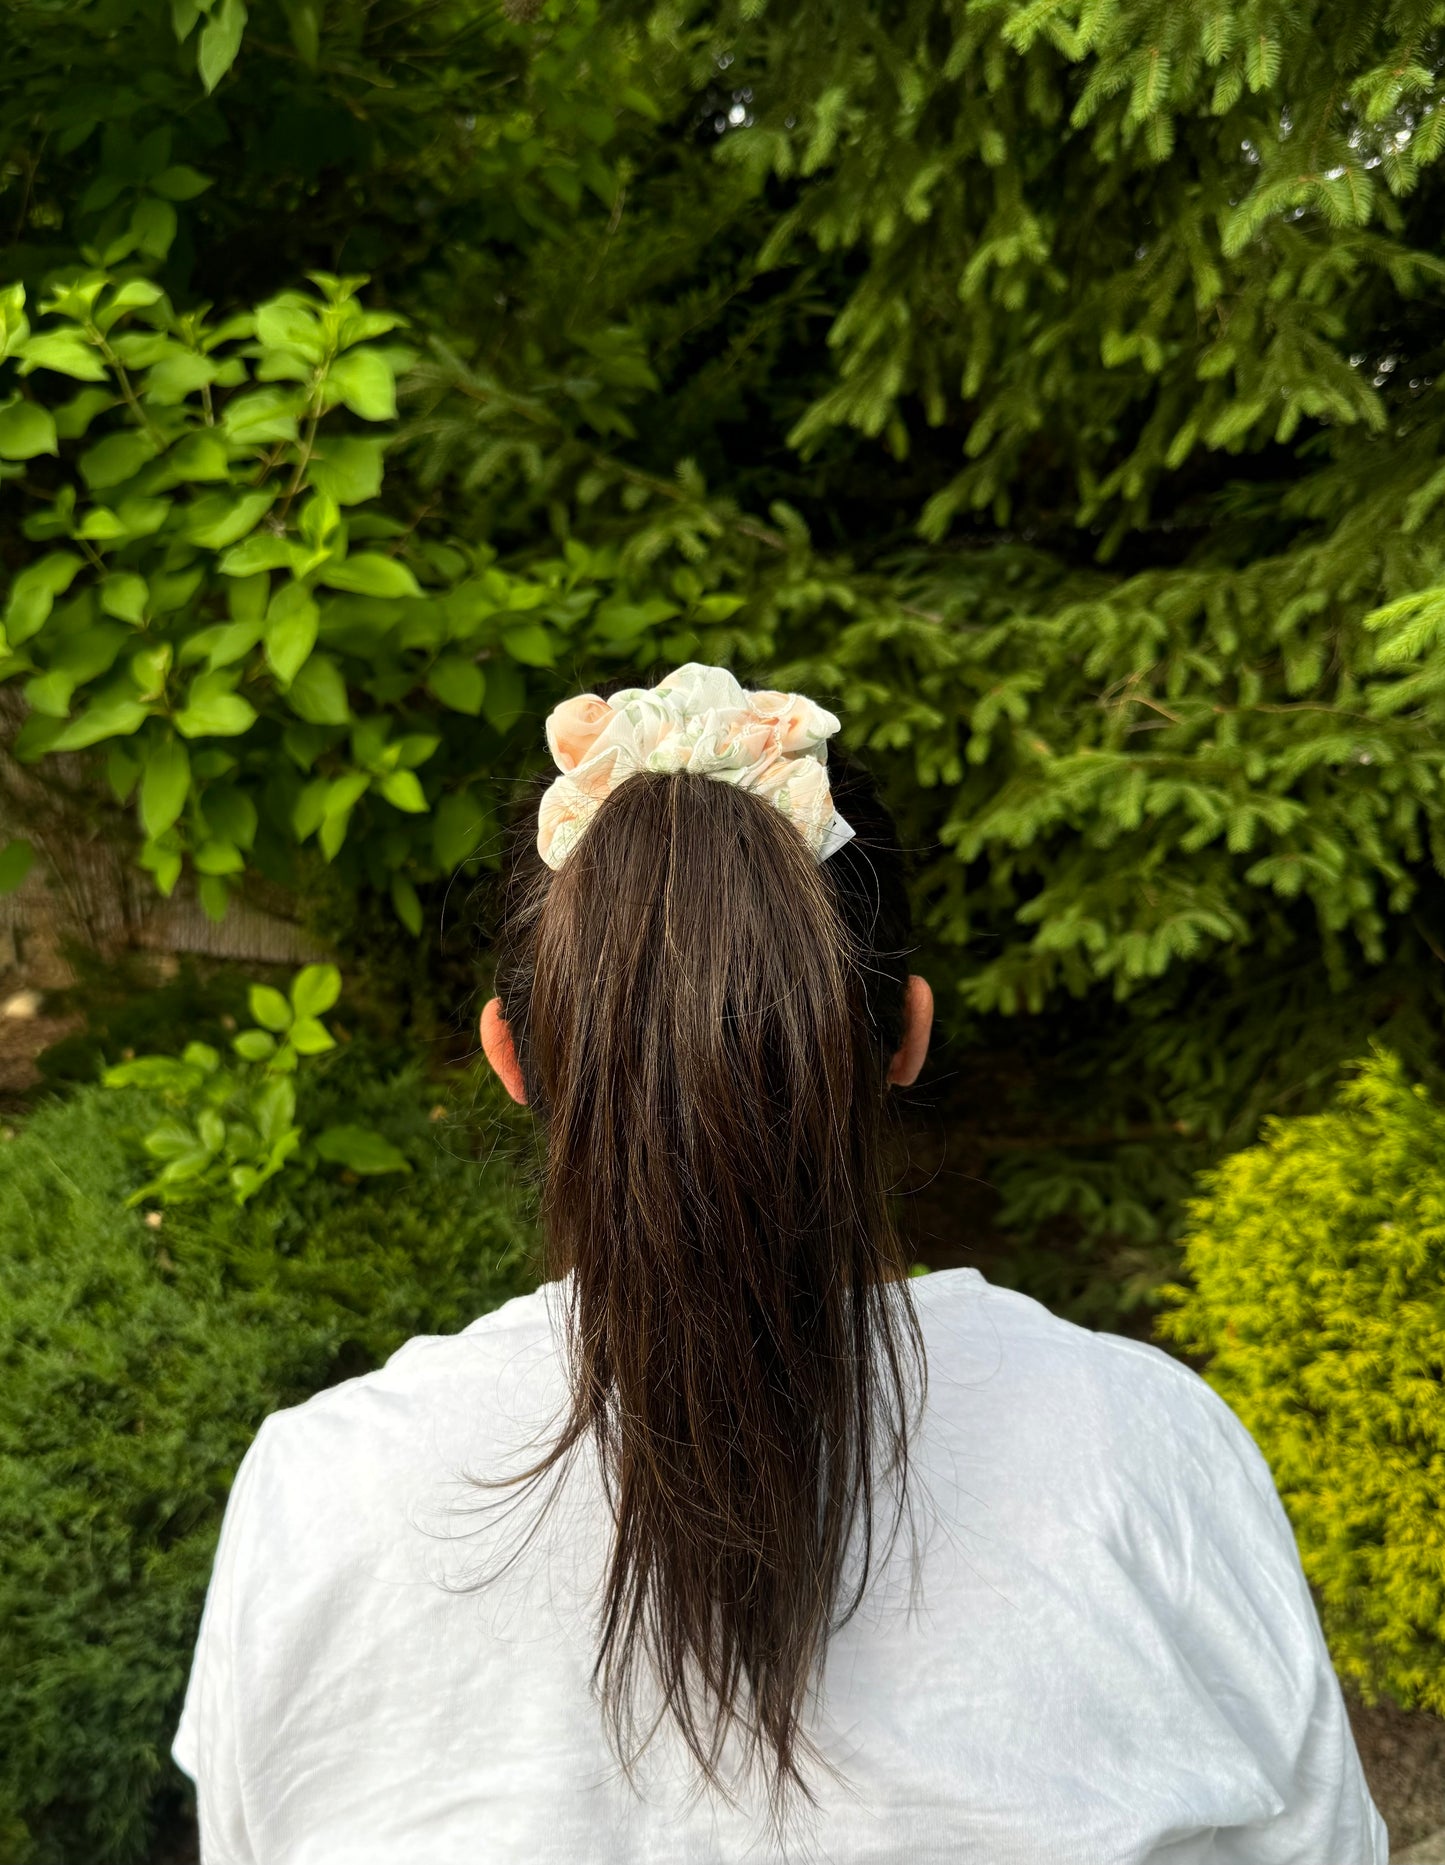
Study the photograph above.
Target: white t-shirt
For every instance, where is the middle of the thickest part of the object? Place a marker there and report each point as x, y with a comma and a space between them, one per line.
1111, 1655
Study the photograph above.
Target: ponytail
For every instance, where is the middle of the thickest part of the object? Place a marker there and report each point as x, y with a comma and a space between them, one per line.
704, 1015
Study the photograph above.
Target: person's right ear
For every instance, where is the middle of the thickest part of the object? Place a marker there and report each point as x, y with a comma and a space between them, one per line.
501, 1052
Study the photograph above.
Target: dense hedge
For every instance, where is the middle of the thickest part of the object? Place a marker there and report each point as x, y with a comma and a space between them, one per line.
1317, 1260
136, 1364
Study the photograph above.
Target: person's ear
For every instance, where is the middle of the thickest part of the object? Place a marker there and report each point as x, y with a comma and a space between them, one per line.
917, 1027
501, 1052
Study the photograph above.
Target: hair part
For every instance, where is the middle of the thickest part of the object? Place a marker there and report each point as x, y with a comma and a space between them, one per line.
704, 1016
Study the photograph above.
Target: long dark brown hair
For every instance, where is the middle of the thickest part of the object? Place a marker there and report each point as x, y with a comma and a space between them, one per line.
704, 1015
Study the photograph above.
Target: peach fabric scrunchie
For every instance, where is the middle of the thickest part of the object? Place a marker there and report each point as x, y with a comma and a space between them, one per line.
697, 719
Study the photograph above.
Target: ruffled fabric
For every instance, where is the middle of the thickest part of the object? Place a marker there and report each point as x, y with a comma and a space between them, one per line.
697, 719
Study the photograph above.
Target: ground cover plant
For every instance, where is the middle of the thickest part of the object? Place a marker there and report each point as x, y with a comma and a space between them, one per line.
141, 1345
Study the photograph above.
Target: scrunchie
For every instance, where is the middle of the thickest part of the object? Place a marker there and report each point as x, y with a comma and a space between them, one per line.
697, 719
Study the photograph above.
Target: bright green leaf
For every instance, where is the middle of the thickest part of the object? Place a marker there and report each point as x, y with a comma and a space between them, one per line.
403, 791
318, 692
309, 1037
220, 42
269, 1007
364, 381
26, 429
315, 989
457, 683
347, 468
368, 573
165, 785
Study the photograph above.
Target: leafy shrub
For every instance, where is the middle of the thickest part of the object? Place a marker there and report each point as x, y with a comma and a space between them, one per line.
1318, 1266
233, 1128
137, 1360
218, 601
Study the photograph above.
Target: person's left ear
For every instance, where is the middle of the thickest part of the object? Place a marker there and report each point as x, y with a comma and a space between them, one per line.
501, 1051
917, 1028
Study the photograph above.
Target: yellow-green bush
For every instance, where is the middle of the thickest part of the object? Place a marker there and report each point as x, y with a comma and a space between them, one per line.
1317, 1260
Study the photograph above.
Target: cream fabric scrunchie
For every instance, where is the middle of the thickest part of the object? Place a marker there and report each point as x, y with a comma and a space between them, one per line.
697, 719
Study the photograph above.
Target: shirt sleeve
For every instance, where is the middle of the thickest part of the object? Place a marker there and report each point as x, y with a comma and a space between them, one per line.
206, 1744
1260, 1649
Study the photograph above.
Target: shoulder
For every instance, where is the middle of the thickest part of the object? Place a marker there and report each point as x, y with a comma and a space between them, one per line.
1096, 1397
439, 1400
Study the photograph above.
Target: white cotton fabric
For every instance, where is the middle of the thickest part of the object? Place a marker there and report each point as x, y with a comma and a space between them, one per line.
1111, 1658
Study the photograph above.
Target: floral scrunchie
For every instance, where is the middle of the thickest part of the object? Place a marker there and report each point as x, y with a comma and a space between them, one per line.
697, 719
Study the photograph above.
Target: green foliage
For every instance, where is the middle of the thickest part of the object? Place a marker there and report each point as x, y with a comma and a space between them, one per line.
1317, 1261
231, 1129
257, 679
137, 1360
1052, 387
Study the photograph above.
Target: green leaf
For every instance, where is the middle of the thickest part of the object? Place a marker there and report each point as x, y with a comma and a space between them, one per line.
457, 826
16, 859
171, 380
304, 19
179, 183
246, 1182
309, 1037
269, 1007
65, 353
315, 989
33, 593
364, 381
115, 459
229, 812
408, 905
318, 692
333, 834
254, 1045
200, 456
26, 429
122, 772
219, 857
214, 895
263, 415
360, 1149
220, 42
50, 693
458, 683
247, 598
348, 469
368, 573
223, 518
344, 792
165, 785
124, 596
153, 226
167, 1073
414, 748
111, 718
403, 791
202, 1056
291, 624
289, 322
529, 643
164, 864
222, 645
505, 696
72, 418
213, 709
263, 551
